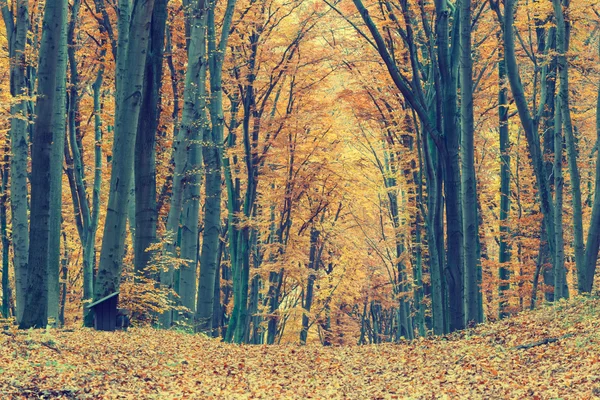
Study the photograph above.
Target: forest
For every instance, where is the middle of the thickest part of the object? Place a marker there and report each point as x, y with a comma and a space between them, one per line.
308, 174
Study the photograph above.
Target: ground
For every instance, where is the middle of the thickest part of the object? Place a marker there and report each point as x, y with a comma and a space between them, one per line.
552, 353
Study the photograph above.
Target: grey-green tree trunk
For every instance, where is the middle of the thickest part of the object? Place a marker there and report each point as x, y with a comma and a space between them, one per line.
469, 183
562, 46
179, 159
593, 238
213, 155
17, 27
6, 290
90, 223
131, 58
193, 124
48, 127
56, 171
504, 248
560, 278
454, 270
145, 152
529, 125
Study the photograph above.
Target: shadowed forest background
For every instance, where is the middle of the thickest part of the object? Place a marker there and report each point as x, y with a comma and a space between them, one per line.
297, 171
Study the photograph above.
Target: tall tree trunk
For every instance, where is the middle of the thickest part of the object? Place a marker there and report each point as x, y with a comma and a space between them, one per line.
46, 167
179, 160
546, 39
435, 236
504, 248
64, 275
593, 238
145, 152
131, 58
217, 315
313, 264
418, 292
469, 183
89, 251
76, 174
56, 171
240, 257
17, 27
213, 156
529, 125
454, 270
560, 278
193, 124
562, 46
6, 292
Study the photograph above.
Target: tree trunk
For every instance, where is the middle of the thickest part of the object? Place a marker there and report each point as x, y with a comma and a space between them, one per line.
46, 171
89, 250
434, 237
131, 58
560, 278
313, 265
174, 215
193, 124
593, 238
504, 248
56, 172
6, 292
451, 160
562, 46
213, 155
17, 28
145, 153
469, 183
64, 274
529, 125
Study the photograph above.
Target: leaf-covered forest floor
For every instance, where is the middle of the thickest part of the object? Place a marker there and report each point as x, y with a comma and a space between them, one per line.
550, 353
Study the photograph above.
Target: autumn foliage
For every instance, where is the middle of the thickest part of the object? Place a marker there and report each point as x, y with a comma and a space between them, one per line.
548, 353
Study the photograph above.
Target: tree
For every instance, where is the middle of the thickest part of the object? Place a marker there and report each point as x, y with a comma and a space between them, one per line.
145, 142
562, 40
46, 177
17, 26
131, 58
530, 125
469, 183
193, 124
593, 238
213, 160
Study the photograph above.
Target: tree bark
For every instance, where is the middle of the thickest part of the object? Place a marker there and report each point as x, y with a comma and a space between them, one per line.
562, 46
174, 215
454, 270
504, 248
193, 124
213, 156
145, 152
313, 265
56, 163
131, 58
560, 278
6, 291
469, 182
529, 125
45, 175
17, 27
593, 237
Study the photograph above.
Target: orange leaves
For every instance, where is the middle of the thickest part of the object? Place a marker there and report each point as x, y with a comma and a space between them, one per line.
479, 363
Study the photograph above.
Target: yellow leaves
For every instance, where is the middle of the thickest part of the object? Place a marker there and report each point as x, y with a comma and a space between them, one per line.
144, 299
147, 363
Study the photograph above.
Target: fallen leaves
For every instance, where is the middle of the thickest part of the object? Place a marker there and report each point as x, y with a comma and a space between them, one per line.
147, 363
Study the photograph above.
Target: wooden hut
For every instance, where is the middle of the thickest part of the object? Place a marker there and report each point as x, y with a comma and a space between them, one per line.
105, 312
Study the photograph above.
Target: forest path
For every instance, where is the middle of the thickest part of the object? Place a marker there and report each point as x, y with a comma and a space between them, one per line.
485, 362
